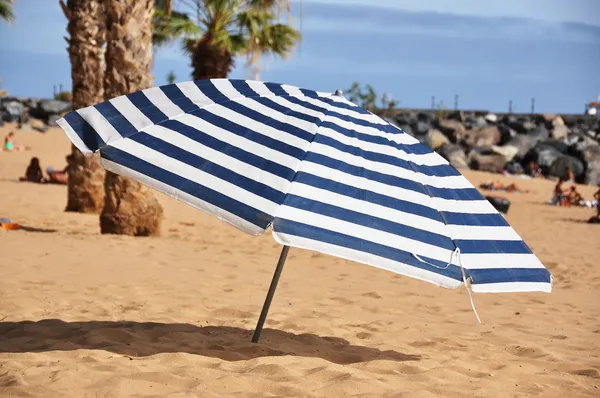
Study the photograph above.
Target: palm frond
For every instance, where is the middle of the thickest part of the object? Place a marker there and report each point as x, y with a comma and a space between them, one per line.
6, 11
168, 28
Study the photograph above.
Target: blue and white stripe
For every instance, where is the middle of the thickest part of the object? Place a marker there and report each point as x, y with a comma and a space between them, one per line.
326, 174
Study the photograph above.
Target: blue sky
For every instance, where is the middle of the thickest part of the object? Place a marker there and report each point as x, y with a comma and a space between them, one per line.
487, 52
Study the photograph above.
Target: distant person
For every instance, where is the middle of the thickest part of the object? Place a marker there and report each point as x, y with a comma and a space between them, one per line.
570, 175
33, 172
596, 202
534, 169
559, 194
57, 176
574, 198
11, 146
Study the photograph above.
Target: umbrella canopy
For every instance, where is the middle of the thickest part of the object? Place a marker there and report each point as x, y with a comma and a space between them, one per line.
326, 174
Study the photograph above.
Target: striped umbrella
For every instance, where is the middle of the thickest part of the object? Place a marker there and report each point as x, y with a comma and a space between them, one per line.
325, 174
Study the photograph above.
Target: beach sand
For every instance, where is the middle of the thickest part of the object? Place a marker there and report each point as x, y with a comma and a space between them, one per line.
83, 314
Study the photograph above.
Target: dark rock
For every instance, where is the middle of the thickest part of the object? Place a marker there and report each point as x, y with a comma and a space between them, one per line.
428, 117
501, 204
544, 155
560, 146
521, 125
539, 133
455, 155
453, 129
561, 165
52, 120
493, 163
506, 133
523, 143
47, 107
54, 106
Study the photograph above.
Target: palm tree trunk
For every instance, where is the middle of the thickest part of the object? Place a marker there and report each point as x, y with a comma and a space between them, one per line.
129, 207
210, 61
86, 39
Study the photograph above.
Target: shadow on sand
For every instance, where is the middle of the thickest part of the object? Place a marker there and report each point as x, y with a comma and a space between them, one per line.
138, 339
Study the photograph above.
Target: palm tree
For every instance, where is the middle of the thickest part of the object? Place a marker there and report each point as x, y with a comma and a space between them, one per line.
6, 11
86, 39
129, 207
224, 29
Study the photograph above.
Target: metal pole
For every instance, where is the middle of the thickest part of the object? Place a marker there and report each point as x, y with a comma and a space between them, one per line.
270, 294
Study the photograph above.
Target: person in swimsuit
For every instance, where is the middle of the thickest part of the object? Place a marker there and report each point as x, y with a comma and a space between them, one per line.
33, 172
10, 145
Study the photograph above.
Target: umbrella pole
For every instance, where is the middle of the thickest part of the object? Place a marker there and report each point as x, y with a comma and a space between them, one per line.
270, 294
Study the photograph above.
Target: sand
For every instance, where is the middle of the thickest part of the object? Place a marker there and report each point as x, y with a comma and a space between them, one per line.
83, 314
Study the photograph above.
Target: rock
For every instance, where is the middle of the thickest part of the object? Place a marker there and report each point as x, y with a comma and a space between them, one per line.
509, 152
32, 103
52, 120
558, 121
523, 143
549, 117
428, 117
521, 125
493, 163
514, 168
561, 165
479, 123
560, 132
46, 107
483, 137
455, 155
453, 129
501, 204
560, 146
591, 156
539, 133
422, 128
506, 132
407, 129
435, 139
24, 118
12, 110
492, 118
544, 155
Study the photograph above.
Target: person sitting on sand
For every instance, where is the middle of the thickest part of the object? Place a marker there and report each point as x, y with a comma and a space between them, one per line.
559, 194
57, 176
534, 169
11, 146
33, 172
60, 176
596, 202
574, 198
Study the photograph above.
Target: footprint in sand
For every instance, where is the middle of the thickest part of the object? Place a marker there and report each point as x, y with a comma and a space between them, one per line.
526, 352
372, 295
593, 373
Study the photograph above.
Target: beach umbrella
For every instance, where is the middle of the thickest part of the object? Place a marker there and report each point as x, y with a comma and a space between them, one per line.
322, 172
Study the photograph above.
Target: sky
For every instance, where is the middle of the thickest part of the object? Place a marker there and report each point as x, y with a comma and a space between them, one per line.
486, 52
